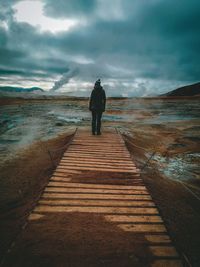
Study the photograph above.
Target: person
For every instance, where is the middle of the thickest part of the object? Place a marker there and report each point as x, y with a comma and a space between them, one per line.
97, 105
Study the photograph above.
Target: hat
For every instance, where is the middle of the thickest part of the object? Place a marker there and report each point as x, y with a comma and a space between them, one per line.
98, 81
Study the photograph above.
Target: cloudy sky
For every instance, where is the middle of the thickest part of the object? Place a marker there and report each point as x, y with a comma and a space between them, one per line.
136, 47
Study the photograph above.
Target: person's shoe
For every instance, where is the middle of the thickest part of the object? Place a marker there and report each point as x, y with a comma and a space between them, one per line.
99, 133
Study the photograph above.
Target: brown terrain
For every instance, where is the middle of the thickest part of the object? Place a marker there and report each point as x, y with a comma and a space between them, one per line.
23, 179
22, 182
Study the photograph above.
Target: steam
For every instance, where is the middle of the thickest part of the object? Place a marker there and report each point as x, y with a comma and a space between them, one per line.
64, 79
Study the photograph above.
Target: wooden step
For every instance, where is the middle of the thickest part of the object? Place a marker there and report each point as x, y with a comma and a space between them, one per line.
96, 203
96, 165
102, 186
96, 156
78, 195
97, 169
90, 159
144, 228
134, 219
98, 210
96, 191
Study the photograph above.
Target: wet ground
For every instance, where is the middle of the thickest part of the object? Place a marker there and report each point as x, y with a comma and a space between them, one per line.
168, 127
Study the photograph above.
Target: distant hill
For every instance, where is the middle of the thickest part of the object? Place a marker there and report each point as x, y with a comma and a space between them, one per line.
189, 90
11, 89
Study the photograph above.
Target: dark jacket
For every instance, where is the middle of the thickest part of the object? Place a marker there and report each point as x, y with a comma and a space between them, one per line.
97, 99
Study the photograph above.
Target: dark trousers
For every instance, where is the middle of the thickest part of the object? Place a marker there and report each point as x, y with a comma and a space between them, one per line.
96, 121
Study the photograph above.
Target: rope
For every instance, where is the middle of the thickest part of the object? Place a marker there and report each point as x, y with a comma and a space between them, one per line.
124, 137
50, 151
188, 189
148, 160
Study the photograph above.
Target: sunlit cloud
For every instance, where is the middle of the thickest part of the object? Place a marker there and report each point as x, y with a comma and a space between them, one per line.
31, 12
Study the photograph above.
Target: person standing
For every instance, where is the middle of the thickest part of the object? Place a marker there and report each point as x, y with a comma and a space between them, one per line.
97, 105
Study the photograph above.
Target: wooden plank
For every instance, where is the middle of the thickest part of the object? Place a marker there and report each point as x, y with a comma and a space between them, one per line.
115, 155
95, 161
104, 135
99, 140
163, 251
62, 175
167, 263
108, 141
134, 180
35, 216
95, 141
134, 219
100, 146
61, 178
67, 171
100, 150
100, 164
158, 238
59, 168
127, 161
96, 203
95, 196
122, 154
97, 169
104, 143
95, 191
108, 210
102, 186
96, 165
97, 156
55, 178
143, 228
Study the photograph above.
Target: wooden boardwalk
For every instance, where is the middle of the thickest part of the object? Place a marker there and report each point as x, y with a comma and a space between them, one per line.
97, 207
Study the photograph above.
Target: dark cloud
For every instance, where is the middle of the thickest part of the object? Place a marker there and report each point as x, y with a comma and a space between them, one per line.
9, 56
22, 73
68, 9
153, 45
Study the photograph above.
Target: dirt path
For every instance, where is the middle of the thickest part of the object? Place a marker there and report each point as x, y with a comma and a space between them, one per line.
95, 211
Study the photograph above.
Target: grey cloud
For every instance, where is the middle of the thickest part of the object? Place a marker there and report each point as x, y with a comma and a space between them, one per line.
156, 41
68, 9
9, 56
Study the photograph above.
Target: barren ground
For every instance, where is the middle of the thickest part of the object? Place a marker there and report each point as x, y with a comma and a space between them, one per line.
24, 176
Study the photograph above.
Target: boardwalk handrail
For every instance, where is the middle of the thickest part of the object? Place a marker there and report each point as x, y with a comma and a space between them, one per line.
50, 151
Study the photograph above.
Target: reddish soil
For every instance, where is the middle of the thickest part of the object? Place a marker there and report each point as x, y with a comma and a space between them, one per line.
178, 207
22, 181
